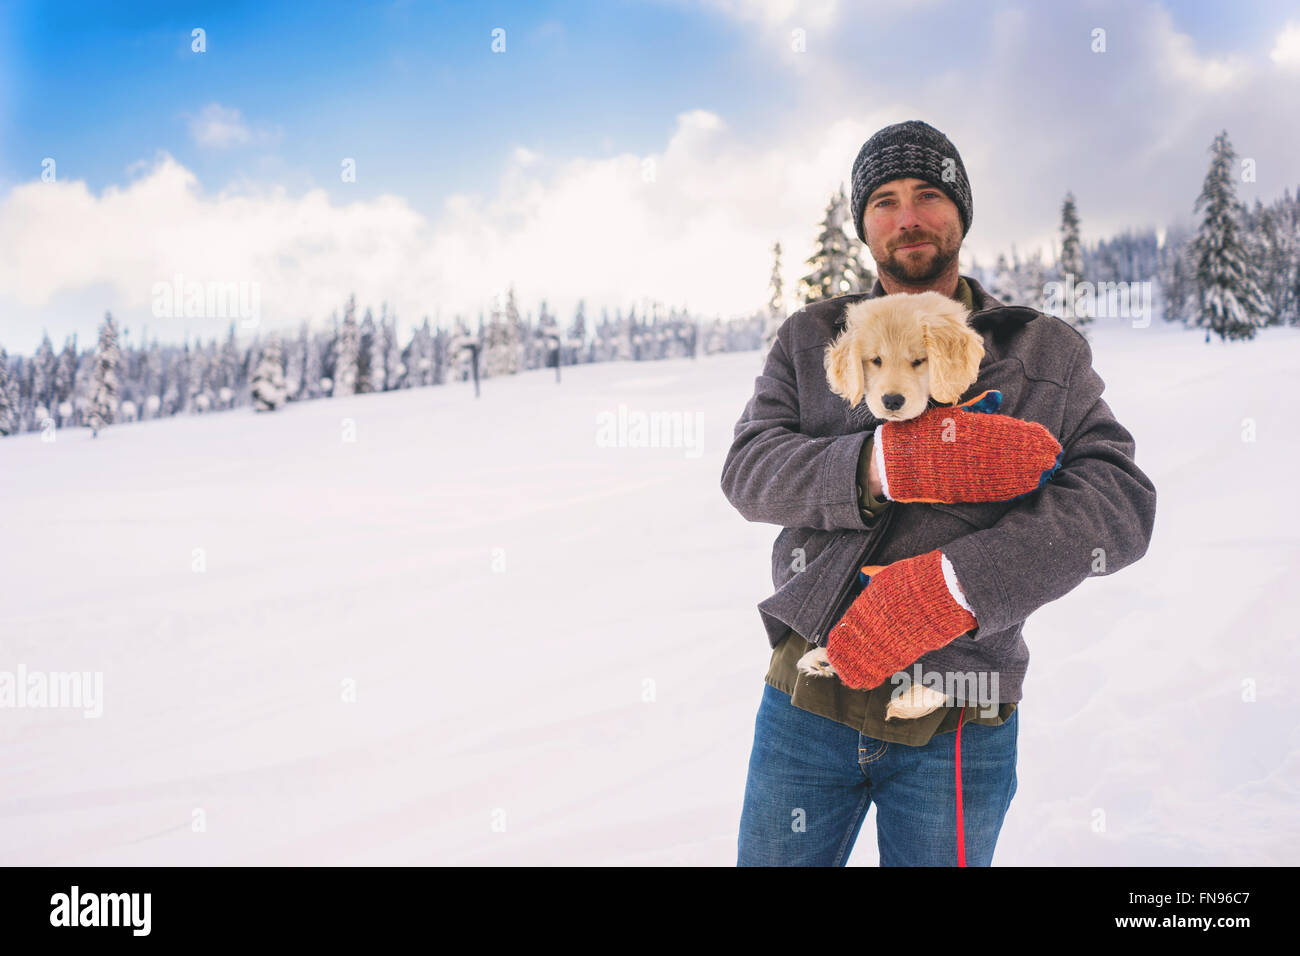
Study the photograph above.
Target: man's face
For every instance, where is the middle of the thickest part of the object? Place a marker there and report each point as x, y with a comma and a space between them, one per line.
913, 230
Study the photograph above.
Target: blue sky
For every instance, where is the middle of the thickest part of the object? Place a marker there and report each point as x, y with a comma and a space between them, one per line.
621, 152
397, 85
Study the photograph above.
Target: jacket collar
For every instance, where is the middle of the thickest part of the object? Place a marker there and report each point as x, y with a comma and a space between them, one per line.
989, 314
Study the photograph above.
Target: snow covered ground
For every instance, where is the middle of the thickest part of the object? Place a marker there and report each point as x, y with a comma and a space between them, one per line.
480, 633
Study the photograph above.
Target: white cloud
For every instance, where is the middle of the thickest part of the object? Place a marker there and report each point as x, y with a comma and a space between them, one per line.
219, 126
1198, 72
1286, 51
690, 224
306, 253
524, 156
814, 14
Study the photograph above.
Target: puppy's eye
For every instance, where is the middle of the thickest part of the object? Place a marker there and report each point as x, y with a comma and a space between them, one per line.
916, 362
876, 361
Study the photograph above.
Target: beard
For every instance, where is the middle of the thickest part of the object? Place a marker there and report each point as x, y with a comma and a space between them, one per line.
918, 268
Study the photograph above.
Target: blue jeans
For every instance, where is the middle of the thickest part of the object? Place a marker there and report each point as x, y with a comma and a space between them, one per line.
811, 780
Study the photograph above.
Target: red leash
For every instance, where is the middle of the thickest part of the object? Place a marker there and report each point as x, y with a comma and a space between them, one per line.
961, 835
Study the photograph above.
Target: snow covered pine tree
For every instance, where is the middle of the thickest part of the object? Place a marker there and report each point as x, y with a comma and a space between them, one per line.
103, 388
268, 382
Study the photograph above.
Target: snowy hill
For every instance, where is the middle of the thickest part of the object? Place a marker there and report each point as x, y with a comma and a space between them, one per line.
483, 633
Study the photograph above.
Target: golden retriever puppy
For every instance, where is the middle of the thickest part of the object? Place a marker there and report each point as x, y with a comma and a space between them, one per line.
897, 352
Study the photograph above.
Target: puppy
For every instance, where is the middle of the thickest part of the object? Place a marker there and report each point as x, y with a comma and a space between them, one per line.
896, 353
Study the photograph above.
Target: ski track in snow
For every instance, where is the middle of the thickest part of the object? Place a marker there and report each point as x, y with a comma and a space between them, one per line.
586, 694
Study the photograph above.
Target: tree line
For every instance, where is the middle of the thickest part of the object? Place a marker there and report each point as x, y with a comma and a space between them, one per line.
118, 382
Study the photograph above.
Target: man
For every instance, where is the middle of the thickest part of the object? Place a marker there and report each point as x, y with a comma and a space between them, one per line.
958, 575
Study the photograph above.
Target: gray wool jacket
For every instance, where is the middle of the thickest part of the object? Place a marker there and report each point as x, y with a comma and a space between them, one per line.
794, 458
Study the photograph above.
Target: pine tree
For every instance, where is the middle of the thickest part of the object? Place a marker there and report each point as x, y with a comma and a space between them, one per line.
1033, 281
1105, 264
1265, 246
495, 360
154, 381
394, 367
544, 342
442, 356
775, 302
1004, 286
421, 358
43, 375
268, 382
578, 328
295, 362
20, 381
8, 413
82, 386
152, 384
370, 356
346, 349
312, 370
1177, 276
1289, 237
228, 366
514, 342
173, 373
1071, 247
200, 366
1072, 258
1231, 302
103, 393
837, 267
65, 375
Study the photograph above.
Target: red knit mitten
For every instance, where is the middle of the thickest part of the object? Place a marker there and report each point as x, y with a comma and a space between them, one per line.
906, 609
960, 453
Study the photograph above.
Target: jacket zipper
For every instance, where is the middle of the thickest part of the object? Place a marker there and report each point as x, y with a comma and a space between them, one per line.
823, 626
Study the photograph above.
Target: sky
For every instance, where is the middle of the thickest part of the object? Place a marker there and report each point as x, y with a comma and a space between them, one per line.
628, 154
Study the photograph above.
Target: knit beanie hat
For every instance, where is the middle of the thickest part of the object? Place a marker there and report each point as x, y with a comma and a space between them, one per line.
910, 150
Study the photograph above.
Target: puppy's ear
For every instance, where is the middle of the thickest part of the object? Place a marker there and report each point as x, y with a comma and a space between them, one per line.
953, 350
843, 363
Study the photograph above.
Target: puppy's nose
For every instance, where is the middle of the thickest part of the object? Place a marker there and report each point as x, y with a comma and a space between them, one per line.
893, 401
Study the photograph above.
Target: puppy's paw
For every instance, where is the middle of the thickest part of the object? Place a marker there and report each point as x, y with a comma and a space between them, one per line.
816, 664
917, 701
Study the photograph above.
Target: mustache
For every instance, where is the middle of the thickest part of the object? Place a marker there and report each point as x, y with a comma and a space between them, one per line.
912, 240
